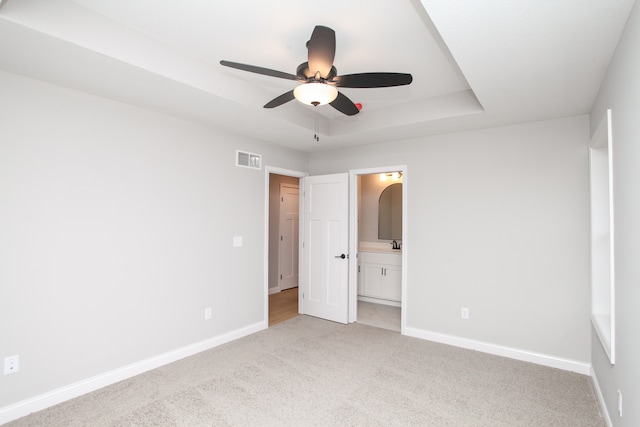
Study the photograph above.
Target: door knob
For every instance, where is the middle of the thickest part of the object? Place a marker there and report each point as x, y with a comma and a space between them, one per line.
343, 256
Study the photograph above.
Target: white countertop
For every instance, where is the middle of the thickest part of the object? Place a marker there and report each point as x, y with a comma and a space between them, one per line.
379, 249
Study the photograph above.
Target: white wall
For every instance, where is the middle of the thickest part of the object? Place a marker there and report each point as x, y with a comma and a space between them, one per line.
498, 221
620, 91
116, 230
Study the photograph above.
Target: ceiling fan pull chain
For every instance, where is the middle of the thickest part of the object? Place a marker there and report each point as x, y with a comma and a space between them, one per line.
315, 129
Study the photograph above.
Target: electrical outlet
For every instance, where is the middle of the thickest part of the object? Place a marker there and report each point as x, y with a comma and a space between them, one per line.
207, 313
11, 364
237, 241
464, 313
620, 403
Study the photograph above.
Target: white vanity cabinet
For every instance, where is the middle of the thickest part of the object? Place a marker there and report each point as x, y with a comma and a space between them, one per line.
380, 275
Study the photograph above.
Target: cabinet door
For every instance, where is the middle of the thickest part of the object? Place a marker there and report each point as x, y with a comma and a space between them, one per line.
392, 283
372, 280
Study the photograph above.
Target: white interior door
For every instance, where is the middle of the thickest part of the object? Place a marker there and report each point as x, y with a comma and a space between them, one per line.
289, 236
325, 256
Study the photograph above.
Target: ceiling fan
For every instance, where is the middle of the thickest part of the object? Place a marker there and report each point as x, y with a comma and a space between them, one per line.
319, 78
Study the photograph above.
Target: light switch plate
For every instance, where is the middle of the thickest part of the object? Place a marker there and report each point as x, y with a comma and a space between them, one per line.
237, 241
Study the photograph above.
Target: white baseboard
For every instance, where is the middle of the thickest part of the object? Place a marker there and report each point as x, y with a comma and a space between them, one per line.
379, 301
603, 407
498, 350
51, 398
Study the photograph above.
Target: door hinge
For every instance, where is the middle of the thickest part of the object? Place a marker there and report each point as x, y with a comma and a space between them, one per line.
281, 277
281, 238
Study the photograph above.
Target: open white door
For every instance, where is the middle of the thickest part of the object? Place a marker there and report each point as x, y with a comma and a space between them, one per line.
325, 256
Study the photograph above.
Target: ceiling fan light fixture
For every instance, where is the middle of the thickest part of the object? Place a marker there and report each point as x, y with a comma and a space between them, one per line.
315, 93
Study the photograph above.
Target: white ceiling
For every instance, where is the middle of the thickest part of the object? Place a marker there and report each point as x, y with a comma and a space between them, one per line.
475, 63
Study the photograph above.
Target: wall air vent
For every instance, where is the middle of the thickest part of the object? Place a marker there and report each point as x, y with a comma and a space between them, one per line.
248, 160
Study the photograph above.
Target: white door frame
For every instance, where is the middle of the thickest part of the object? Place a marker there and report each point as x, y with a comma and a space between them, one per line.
353, 238
268, 170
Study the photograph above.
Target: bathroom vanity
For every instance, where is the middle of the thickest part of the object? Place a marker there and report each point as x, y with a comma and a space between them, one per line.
380, 276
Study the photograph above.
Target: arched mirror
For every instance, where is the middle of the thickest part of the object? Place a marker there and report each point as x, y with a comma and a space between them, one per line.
390, 213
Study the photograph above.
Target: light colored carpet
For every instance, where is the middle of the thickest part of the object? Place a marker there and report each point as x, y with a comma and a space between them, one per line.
310, 372
379, 315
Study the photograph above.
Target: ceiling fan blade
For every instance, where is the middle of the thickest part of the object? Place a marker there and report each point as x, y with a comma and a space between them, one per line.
373, 80
258, 70
321, 50
343, 104
284, 98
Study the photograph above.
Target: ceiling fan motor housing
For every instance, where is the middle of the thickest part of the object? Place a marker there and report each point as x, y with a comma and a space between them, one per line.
304, 73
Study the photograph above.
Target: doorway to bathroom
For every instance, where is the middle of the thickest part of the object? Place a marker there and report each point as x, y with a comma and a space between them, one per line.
378, 224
